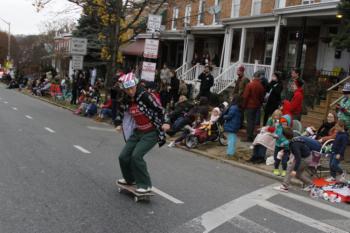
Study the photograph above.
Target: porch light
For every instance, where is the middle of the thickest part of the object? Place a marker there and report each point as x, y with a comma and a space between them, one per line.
339, 16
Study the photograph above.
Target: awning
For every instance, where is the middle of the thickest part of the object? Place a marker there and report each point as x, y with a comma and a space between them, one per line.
134, 49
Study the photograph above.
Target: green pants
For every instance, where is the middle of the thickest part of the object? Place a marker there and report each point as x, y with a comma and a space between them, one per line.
132, 164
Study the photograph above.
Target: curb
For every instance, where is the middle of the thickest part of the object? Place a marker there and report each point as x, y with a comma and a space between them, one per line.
47, 101
242, 166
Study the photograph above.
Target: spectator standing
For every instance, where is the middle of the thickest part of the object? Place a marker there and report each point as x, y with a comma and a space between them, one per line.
207, 81
241, 81
165, 74
174, 88
232, 125
297, 100
240, 85
337, 153
273, 96
253, 98
93, 76
343, 108
183, 90
74, 91
289, 92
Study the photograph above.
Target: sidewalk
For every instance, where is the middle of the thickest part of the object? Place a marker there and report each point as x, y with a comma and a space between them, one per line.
211, 150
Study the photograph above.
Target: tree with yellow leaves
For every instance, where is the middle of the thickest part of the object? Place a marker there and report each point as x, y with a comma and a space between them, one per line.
119, 21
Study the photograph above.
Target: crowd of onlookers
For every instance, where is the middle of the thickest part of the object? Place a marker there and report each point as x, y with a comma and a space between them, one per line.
266, 109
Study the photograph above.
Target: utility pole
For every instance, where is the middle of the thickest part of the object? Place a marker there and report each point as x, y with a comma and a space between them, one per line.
9, 39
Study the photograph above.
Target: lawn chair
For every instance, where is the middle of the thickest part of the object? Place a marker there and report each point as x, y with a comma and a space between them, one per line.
320, 160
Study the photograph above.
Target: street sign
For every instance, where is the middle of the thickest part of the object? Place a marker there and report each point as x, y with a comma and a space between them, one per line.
78, 46
151, 49
77, 62
148, 71
154, 23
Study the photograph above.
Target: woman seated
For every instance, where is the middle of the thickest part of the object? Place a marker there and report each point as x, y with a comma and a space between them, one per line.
266, 138
202, 127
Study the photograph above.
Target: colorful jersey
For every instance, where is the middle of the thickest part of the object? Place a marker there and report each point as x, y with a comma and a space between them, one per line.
142, 122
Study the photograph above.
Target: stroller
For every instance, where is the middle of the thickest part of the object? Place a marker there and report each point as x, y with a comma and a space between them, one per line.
204, 134
320, 160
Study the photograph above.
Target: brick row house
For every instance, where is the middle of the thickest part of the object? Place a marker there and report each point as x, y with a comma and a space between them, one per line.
261, 34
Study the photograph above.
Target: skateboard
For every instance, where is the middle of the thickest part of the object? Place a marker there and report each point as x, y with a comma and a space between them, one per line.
132, 189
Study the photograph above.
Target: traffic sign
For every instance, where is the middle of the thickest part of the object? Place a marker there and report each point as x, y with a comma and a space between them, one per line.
154, 23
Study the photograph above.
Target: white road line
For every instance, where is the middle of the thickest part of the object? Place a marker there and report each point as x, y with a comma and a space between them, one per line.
216, 217
318, 204
85, 151
324, 227
14, 108
248, 225
29, 117
50, 130
101, 129
167, 196
5, 102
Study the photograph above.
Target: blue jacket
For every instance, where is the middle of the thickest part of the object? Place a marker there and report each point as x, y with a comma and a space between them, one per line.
232, 119
340, 143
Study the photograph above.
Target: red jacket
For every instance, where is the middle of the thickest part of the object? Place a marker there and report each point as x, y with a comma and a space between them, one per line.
297, 102
108, 104
253, 95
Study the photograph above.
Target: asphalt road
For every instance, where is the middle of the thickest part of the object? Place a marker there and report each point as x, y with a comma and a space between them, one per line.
57, 174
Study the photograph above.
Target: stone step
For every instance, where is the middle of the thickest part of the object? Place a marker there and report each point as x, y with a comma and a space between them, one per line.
314, 114
311, 120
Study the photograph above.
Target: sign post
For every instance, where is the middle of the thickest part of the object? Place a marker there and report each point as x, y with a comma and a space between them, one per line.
77, 49
151, 48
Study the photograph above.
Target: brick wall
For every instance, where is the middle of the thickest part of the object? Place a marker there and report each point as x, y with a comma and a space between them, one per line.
267, 6
293, 2
246, 8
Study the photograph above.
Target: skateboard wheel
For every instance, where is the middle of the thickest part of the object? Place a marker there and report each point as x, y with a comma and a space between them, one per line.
119, 190
136, 199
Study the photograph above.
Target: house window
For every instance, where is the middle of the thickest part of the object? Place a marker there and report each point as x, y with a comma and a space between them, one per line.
236, 5
201, 12
187, 19
175, 16
217, 12
280, 3
256, 7
308, 2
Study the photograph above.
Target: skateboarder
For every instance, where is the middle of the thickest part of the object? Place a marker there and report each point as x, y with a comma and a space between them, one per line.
144, 111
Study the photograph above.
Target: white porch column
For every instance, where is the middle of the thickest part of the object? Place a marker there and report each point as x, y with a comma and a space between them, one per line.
190, 49
275, 46
184, 56
226, 60
242, 48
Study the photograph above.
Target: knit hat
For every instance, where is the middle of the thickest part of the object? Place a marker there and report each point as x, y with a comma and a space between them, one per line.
128, 80
346, 87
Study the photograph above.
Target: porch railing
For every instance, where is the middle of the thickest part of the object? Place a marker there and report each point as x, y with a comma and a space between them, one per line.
225, 79
329, 96
250, 69
181, 70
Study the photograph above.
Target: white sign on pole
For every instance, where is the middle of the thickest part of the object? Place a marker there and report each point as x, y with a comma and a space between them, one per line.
148, 71
151, 49
77, 62
154, 23
78, 46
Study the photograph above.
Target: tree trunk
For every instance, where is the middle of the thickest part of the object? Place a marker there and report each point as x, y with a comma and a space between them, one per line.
114, 45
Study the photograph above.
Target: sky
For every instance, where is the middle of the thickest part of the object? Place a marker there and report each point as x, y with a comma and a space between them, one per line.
24, 18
